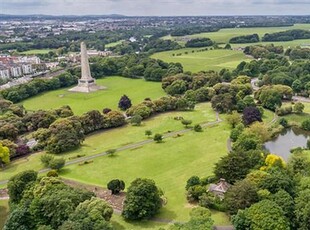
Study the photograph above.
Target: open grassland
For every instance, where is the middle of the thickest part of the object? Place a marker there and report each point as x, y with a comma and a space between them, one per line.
135, 89
112, 44
223, 35
170, 164
206, 60
36, 51
118, 137
4, 211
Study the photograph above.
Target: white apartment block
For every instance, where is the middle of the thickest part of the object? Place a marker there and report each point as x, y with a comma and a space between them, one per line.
4, 73
16, 71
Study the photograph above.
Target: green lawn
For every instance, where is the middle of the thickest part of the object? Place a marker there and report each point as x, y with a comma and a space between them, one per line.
206, 60
113, 139
36, 51
223, 35
112, 44
135, 89
170, 164
298, 118
4, 211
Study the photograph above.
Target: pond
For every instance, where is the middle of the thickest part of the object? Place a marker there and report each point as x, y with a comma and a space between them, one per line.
287, 140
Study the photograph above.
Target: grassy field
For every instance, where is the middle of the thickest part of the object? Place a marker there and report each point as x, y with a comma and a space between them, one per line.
224, 35
36, 51
170, 164
298, 118
113, 139
112, 44
135, 89
4, 211
206, 60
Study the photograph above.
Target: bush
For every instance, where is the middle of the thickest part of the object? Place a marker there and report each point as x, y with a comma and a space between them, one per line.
186, 122
192, 181
158, 137
136, 120
124, 102
57, 164
194, 192
116, 186
52, 173
306, 125
284, 110
46, 159
198, 128
283, 122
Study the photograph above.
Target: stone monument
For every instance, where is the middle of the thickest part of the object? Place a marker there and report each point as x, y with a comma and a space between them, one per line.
86, 83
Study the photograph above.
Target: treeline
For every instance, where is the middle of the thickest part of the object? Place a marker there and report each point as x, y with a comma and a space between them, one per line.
36, 86
199, 42
260, 51
245, 39
298, 53
159, 45
288, 35
134, 66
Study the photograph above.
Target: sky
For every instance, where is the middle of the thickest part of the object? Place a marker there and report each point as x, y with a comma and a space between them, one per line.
156, 7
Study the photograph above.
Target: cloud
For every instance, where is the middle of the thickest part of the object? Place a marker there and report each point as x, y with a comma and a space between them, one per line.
153, 7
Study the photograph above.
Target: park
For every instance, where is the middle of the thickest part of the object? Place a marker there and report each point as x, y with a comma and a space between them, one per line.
126, 152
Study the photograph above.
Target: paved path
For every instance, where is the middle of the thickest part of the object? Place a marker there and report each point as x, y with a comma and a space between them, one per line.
129, 146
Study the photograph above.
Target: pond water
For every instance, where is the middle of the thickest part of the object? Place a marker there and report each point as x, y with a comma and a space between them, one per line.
287, 140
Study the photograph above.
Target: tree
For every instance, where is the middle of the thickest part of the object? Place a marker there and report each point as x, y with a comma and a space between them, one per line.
286, 202
54, 202
299, 107
197, 128
237, 164
306, 125
4, 155
19, 218
283, 121
142, 200
192, 181
200, 218
158, 137
186, 122
233, 119
241, 195
265, 215
93, 214
250, 115
124, 103
116, 186
148, 133
18, 183
46, 159
136, 120
57, 164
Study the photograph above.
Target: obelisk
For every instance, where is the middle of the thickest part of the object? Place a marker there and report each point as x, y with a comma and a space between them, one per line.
86, 83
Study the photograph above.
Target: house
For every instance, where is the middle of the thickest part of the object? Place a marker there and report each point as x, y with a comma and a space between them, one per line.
220, 188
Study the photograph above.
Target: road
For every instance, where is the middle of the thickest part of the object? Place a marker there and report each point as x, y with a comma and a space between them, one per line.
129, 146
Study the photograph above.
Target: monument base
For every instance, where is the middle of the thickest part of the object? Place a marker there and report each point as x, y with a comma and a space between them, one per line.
86, 86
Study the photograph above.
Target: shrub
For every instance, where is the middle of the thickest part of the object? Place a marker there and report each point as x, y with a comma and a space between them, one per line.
306, 125
57, 164
52, 173
46, 159
158, 137
116, 186
136, 120
198, 128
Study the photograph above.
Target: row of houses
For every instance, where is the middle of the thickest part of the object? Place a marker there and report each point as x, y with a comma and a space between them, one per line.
15, 70
14, 67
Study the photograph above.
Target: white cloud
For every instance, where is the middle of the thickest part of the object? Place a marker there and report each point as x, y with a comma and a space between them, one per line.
153, 7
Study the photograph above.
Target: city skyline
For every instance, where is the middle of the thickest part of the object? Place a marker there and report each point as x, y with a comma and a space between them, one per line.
160, 8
